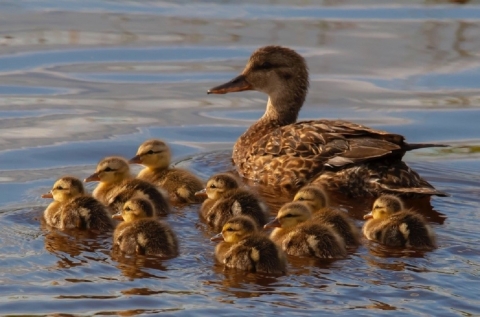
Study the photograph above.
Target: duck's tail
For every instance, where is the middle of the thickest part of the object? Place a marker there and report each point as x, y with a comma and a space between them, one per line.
415, 146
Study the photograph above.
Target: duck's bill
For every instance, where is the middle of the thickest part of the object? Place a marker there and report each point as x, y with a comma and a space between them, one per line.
368, 216
237, 84
273, 224
118, 216
201, 193
92, 178
47, 195
135, 160
217, 237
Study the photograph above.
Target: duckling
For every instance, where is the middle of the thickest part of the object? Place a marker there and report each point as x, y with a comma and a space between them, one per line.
73, 208
317, 200
301, 238
279, 151
179, 183
392, 225
117, 186
140, 233
243, 248
226, 200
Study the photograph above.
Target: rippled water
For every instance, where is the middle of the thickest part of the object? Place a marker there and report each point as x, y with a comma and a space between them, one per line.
80, 80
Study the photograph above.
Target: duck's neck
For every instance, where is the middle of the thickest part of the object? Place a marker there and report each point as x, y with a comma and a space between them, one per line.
282, 109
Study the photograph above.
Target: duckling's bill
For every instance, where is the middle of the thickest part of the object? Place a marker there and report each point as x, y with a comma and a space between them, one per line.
47, 195
368, 216
118, 216
239, 83
217, 237
137, 159
92, 178
201, 193
273, 224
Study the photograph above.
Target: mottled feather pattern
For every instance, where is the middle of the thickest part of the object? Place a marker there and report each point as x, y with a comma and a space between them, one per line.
341, 223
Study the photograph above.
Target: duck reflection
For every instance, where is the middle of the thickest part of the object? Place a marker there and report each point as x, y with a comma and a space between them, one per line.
139, 266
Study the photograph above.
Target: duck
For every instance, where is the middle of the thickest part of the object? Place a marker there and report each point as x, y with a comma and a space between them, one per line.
72, 208
316, 198
117, 185
225, 199
298, 236
243, 247
389, 223
181, 184
346, 157
141, 233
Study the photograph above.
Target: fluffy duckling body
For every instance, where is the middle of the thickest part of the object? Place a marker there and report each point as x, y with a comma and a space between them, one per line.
317, 200
226, 200
179, 183
117, 186
72, 208
140, 233
243, 248
390, 224
298, 237
277, 150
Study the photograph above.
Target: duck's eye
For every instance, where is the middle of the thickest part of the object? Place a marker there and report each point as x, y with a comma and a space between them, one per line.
213, 186
265, 65
59, 188
289, 216
127, 209
108, 169
376, 207
300, 198
150, 152
230, 229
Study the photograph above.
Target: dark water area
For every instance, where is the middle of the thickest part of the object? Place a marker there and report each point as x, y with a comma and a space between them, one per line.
80, 80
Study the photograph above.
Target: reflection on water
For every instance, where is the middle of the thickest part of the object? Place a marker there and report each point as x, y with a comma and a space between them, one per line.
80, 80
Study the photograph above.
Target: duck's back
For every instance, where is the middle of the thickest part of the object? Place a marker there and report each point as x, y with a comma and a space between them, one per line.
85, 212
416, 231
146, 236
256, 253
314, 239
341, 222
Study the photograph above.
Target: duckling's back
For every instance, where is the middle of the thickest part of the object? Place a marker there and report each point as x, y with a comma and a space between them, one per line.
86, 212
416, 232
146, 236
256, 253
239, 203
344, 226
314, 239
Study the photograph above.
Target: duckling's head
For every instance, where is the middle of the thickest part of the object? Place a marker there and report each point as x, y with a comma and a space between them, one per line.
65, 189
153, 154
219, 185
290, 215
111, 169
236, 229
274, 70
385, 206
136, 208
313, 196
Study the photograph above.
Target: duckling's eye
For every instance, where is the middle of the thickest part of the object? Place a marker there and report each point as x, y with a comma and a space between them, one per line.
300, 199
213, 186
127, 209
289, 216
108, 169
230, 229
59, 188
150, 152
376, 207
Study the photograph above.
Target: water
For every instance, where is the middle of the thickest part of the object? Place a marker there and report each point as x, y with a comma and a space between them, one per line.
80, 80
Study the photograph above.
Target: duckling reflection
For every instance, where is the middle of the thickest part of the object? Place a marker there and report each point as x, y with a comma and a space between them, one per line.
180, 184
73, 208
226, 199
392, 225
117, 185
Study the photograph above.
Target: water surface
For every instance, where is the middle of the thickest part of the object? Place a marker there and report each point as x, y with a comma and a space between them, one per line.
80, 80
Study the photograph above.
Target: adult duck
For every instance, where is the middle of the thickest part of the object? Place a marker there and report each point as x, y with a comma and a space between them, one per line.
343, 156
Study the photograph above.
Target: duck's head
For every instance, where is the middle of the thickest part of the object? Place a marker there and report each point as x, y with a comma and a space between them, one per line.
290, 215
275, 70
65, 189
385, 206
153, 154
111, 169
218, 186
313, 196
136, 208
236, 229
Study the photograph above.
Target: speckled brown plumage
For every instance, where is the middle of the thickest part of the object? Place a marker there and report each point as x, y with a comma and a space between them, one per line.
279, 151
